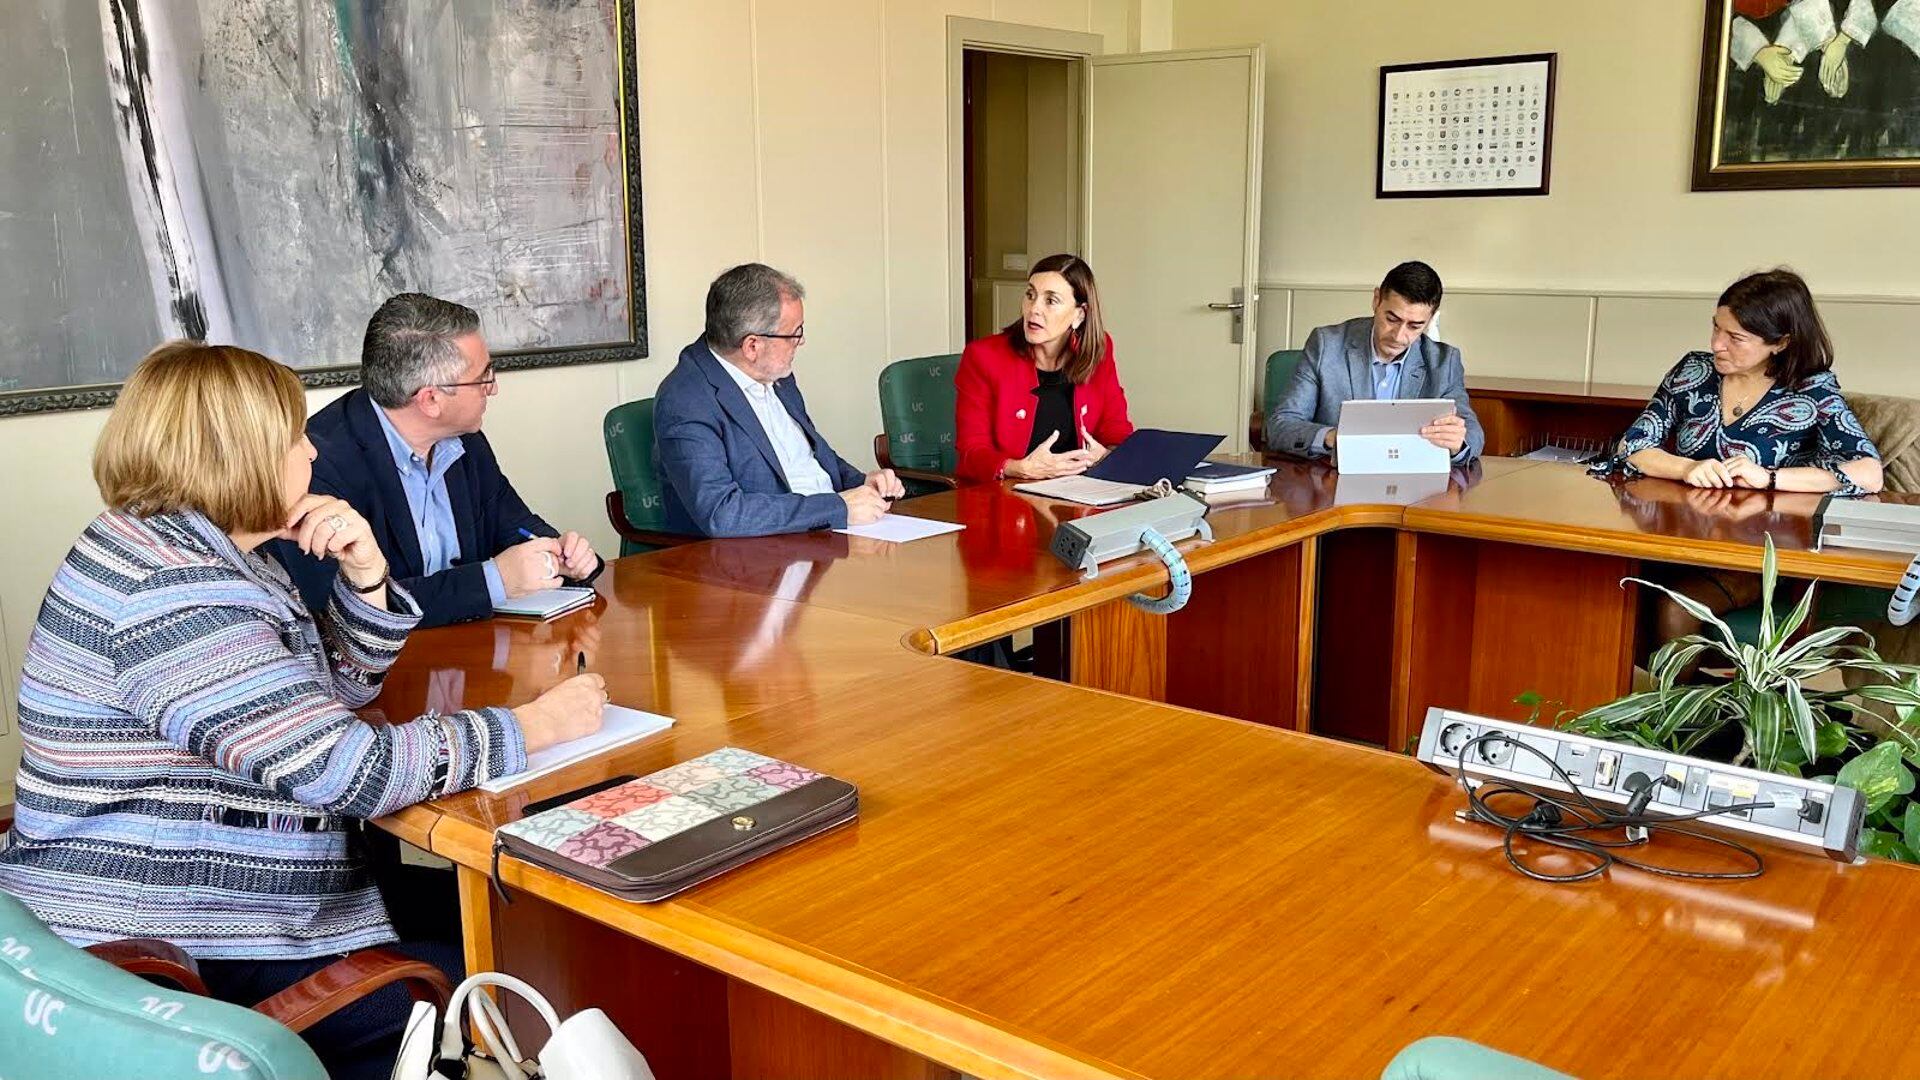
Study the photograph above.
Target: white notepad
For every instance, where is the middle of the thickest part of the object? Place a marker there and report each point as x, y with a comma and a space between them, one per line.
900, 529
619, 725
1084, 490
547, 603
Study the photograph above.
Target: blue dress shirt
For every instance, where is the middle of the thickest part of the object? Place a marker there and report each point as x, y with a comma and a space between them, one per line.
1386, 377
425, 483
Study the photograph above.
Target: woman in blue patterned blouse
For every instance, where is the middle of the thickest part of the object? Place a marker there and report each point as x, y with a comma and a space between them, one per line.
192, 763
1761, 410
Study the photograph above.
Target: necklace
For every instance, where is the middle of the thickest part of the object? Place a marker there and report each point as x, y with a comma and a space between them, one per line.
1740, 408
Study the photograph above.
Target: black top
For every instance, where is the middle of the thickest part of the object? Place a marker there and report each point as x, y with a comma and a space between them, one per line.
1053, 411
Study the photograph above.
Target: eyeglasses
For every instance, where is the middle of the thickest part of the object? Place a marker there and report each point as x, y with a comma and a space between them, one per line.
799, 334
488, 379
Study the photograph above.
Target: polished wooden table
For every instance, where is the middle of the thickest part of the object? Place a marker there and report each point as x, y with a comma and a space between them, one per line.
1052, 880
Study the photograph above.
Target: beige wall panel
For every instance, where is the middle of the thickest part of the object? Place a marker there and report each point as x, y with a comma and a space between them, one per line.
1518, 336
1322, 307
1636, 339
821, 150
1873, 346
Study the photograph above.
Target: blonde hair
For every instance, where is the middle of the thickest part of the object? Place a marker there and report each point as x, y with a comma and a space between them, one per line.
206, 428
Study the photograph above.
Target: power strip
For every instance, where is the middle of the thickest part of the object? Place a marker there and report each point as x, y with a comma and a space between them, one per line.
1805, 813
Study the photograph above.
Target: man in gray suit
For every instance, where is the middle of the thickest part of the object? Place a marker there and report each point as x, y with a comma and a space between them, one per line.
1388, 356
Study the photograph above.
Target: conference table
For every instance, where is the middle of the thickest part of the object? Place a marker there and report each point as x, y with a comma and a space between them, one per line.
1158, 868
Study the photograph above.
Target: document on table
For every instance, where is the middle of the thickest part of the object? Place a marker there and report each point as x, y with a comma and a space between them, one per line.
618, 726
899, 529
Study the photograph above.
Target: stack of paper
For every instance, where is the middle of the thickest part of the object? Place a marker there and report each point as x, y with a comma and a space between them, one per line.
618, 726
547, 603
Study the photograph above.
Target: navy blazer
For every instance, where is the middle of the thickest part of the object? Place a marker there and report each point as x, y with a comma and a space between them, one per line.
355, 463
718, 470
1337, 368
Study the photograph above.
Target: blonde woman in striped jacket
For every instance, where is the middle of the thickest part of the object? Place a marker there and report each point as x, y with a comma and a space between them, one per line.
192, 762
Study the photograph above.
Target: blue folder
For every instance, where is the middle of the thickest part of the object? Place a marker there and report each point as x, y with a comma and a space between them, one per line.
1149, 456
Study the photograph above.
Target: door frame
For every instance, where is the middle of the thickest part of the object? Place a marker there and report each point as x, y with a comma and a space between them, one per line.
986, 35
1256, 57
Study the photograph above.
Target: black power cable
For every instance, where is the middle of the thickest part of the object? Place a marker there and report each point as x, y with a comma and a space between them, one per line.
1564, 823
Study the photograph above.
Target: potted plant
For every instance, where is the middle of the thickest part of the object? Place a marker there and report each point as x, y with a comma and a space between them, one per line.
1782, 725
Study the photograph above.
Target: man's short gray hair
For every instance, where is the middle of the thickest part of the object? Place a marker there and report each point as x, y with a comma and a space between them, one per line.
410, 343
746, 300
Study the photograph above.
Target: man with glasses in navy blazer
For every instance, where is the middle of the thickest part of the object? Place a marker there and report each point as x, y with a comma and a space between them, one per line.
736, 451
405, 450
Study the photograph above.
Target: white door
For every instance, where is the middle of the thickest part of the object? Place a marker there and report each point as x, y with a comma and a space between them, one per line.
1173, 230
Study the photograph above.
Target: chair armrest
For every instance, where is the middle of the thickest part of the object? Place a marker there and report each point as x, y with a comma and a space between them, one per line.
347, 980
150, 956
1257, 432
617, 516
940, 480
883, 451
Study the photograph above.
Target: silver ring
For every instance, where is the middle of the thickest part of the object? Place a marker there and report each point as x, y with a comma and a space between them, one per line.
552, 570
335, 522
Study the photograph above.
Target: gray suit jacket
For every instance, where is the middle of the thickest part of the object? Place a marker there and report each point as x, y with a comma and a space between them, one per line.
1335, 369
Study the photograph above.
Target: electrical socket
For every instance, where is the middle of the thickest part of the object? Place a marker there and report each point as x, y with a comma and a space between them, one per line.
1806, 813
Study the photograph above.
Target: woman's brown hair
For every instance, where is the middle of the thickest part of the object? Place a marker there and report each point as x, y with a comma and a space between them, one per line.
1087, 346
206, 428
1777, 306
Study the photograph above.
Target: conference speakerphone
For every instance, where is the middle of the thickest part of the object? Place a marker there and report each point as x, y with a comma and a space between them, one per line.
1804, 813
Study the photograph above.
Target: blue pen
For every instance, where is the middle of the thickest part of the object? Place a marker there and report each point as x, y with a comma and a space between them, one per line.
525, 535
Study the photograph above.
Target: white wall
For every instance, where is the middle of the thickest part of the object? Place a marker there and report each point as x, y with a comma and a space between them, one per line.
1621, 241
811, 136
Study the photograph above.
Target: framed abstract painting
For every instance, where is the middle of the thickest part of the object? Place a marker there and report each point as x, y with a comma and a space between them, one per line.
266, 172
1809, 94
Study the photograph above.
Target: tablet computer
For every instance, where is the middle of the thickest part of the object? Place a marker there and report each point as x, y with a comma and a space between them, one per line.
1384, 436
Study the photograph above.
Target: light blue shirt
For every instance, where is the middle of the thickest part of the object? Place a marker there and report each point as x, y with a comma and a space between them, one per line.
425, 483
1386, 378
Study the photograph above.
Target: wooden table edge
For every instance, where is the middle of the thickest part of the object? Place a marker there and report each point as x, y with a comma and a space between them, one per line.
934, 1028
1690, 551
1145, 576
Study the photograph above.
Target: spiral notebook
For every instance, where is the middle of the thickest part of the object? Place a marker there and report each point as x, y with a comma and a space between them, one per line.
547, 603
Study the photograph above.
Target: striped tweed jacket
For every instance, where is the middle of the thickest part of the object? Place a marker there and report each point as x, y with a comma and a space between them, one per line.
191, 761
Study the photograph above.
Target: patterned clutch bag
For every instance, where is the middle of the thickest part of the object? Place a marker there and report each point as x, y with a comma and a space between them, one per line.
649, 838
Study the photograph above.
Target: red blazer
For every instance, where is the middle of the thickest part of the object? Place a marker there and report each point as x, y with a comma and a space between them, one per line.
993, 417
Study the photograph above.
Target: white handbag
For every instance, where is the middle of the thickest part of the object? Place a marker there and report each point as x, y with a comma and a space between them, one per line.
586, 1047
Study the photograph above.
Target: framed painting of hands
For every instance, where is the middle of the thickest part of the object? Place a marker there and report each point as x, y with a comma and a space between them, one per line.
1809, 94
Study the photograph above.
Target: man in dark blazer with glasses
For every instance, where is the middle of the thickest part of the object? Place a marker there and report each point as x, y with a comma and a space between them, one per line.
736, 451
405, 450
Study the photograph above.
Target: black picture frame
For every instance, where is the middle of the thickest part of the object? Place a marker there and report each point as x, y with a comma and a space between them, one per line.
1545, 187
634, 347
1710, 175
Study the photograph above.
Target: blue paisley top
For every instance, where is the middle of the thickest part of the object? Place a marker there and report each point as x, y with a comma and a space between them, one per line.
1790, 426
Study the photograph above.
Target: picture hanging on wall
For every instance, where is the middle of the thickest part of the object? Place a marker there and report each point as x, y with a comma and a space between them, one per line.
266, 172
1466, 127
1809, 94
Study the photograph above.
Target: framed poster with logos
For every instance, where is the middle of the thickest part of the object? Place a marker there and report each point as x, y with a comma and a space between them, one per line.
1466, 127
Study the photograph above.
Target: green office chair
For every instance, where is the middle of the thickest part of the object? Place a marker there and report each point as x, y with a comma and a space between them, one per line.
635, 506
1439, 1057
917, 400
83, 1014
1280, 368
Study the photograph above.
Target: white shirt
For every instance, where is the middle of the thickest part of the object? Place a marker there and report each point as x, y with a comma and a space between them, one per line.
790, 444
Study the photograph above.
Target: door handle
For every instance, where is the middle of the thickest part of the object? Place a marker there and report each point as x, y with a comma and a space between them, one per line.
1234, 306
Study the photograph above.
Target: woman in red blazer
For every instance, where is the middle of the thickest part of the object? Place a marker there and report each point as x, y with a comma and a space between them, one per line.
1042, 398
